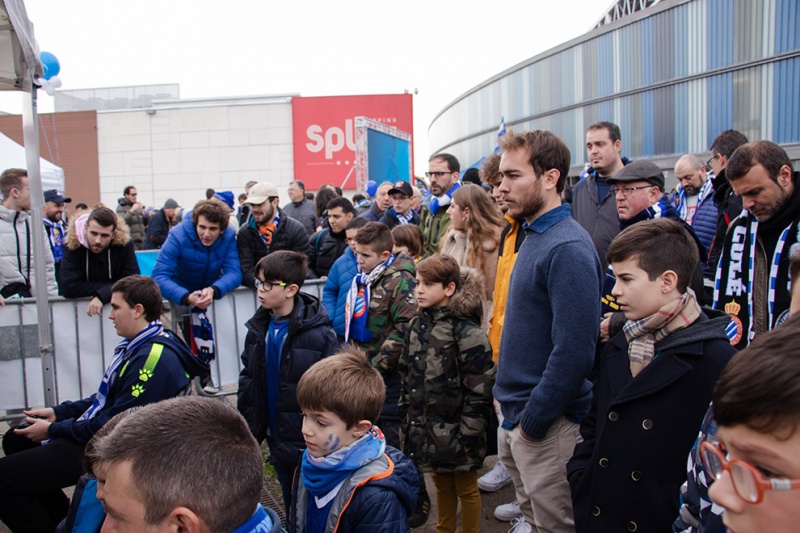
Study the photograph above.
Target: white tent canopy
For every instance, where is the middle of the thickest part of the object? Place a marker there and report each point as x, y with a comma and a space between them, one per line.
12, 155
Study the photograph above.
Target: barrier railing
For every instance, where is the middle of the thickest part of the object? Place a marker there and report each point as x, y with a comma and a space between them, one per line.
83, 346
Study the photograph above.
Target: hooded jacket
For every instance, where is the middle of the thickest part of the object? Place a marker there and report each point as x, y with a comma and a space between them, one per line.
632, 461
159, 369
134, 218
447, 375
290, 235
85, 273
185, 264
377, 497
16, 252
157, 230
334, 293
310, 339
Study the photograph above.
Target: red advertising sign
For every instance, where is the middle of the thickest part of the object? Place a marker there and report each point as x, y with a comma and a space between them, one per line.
324, 133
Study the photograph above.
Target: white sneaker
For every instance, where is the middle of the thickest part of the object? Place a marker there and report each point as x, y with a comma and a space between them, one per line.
508, 512
519, 525
495, 479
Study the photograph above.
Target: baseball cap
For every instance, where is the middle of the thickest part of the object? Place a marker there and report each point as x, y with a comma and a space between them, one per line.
56, 196
261, 192
639, 171
402, 187
170, 204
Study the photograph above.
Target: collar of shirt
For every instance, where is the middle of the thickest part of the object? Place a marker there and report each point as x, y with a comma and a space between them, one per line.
547, 220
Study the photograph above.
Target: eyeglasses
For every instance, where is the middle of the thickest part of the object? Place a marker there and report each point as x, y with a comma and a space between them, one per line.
436, 174
266, 286
627, 191
710, 159
748, 482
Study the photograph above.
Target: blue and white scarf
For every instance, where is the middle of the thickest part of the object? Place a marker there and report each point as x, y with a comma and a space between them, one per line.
356, 308
56, 236
121, 352
260, 522
202, 335
405, 219
683, 206
322, 474
437, 203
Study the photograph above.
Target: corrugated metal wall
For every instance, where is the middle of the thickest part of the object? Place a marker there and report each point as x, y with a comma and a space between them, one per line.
672, 81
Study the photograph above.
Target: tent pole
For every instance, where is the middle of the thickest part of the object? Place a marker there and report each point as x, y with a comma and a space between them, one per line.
30, 131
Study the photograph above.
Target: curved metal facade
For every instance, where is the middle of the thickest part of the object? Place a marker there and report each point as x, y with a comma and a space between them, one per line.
672, 77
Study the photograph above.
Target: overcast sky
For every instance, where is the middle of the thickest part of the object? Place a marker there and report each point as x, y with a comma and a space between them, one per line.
442, 48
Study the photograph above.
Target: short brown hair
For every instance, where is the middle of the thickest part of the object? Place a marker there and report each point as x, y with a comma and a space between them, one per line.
490, 170
283, 265
11, 178
613, 130
658, 245
345, 384
104, 217
377, 236
452, 162
140, 290
440, 268
410, 236
545, 152
765, 153
215, 212
760, 386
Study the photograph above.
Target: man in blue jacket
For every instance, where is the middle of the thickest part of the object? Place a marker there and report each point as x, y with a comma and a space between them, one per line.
149, 365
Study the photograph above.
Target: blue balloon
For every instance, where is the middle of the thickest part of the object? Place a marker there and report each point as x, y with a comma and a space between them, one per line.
50, 65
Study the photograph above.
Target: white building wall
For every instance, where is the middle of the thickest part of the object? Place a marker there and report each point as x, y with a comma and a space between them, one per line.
178, 150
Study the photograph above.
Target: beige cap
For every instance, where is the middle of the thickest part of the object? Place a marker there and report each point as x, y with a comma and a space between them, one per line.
261, 192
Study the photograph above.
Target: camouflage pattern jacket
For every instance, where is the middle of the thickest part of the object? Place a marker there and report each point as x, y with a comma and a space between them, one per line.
447, 375
392, 305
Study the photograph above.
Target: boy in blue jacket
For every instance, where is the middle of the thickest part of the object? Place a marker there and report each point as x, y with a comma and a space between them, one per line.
149, 365
340, 277
655, 381
349, 479
285, 337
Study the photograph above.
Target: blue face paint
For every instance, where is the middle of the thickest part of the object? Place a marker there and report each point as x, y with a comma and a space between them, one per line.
332, 442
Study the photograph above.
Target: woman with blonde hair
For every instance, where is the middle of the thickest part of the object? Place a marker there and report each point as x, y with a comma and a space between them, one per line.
473, 238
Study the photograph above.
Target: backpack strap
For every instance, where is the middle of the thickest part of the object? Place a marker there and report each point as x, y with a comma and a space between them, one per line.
316, 242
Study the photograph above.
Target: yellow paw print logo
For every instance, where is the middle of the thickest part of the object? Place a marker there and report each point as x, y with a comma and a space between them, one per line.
145, 374
136, 390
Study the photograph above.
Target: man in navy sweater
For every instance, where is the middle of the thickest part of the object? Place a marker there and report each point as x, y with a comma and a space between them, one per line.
550, 331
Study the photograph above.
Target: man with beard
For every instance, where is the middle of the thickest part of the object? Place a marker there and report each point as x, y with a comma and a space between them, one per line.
695, 202
752, 281
267, 230
98, 252
443, 173
549, 335
54, 224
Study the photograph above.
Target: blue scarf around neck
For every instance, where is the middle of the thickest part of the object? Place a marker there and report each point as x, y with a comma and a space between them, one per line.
438, 203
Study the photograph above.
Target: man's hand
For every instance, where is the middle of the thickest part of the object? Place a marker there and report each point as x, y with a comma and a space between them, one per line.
46, 413
604, 335
527, 437
37, 431
95, 307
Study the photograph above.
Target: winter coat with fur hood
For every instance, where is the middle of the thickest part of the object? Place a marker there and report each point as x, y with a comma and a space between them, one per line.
447, 376
85, 273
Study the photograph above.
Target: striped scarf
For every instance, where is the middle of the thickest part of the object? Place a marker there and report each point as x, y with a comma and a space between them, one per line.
683, 207
356, 307
121, 352
643, 334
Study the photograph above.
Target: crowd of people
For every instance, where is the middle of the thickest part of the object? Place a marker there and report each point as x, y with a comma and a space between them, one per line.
611, 342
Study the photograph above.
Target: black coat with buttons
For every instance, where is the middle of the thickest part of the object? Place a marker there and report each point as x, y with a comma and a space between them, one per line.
627, 472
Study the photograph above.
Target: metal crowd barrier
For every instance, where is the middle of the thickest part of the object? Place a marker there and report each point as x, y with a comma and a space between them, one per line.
83, 346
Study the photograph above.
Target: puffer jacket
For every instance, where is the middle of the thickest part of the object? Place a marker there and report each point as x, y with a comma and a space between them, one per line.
334, 293
16, 252
310, 339
85, 273
134, 218
324, 248
379, 496
290, 235
447, 374
185, 265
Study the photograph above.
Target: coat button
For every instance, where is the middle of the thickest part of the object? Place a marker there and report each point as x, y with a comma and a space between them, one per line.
636, 475
632, 526
416, 359
603, 462
613, 416
595, 511
647, 424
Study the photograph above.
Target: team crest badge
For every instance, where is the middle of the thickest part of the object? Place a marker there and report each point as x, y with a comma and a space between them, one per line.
735, 329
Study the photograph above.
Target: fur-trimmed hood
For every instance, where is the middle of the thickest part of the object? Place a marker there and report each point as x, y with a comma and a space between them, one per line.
467, 302
121, 237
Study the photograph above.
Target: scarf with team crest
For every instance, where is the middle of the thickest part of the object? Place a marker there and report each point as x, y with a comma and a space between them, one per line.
356, 308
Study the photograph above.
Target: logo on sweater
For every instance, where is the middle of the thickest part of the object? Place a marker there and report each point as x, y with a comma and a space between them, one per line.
137, 390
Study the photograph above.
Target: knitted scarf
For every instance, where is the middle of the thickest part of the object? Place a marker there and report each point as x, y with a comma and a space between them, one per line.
321, 474
661, 209
202, 335
683, 208
643, 334
356, 308
266, 231
404, 219
121, 353
438, 203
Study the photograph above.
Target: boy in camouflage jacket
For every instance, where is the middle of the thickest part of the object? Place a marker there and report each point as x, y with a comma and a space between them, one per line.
447, 375
386, 283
